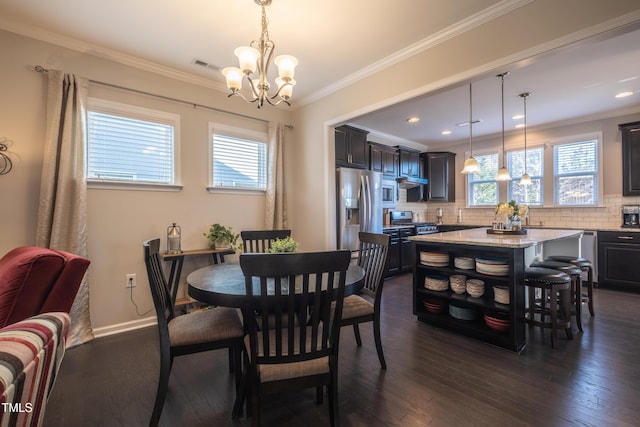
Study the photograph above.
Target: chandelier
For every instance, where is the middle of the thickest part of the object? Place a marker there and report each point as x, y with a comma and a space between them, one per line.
258, 56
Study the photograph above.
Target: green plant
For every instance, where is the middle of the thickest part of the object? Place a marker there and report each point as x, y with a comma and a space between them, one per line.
223, 236
283, 245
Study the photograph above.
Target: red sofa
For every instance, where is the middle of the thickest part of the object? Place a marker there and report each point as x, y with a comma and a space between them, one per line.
36, 280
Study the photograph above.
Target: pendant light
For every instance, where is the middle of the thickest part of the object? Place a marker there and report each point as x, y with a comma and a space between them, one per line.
503, 173
471, 164
525, 179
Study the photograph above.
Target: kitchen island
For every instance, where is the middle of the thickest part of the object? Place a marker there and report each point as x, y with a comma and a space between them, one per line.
503, 259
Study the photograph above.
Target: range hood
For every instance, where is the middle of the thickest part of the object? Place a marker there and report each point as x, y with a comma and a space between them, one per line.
408, 182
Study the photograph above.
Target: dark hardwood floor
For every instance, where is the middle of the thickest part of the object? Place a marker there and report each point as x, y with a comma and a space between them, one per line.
434, 378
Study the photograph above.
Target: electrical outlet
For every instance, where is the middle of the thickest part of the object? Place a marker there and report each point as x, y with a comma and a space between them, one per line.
130, 280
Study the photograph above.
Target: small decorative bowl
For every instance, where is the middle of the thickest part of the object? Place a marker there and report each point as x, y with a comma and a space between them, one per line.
501, 294
475, 287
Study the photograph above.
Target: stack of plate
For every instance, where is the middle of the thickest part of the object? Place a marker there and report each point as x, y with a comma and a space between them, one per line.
462, 313
434, 305
501, 294
497, 321
492, 266
435, 259
458, 283
464, 263
475, 288
436, 283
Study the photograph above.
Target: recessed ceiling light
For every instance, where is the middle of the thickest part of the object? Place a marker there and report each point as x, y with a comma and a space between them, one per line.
519, 125
624, 94
413, 119
518, 117
446, 132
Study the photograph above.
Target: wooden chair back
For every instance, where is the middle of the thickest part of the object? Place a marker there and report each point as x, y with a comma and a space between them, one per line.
259, 241
319, 281
373, 258
158, 284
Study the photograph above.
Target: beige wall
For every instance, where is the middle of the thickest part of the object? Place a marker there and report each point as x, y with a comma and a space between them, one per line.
120, 220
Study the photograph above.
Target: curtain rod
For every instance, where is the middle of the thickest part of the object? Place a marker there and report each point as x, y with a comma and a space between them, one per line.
41, 69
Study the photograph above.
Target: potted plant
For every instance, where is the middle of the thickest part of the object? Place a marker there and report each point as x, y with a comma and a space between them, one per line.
283, 245
222, 237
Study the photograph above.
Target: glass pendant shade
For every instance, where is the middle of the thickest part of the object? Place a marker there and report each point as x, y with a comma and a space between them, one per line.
234, 78
248, 59
503, 175
286, 66
525, 179
471, 166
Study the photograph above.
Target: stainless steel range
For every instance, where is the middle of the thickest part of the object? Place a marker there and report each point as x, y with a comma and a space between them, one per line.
405, 218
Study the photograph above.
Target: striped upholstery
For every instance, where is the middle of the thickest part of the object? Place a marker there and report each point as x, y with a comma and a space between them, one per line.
30, 356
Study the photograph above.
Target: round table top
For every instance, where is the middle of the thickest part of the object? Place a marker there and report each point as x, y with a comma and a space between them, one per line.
223, 284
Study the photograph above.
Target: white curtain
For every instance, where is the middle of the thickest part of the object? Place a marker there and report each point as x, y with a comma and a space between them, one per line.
275, 217
62, 214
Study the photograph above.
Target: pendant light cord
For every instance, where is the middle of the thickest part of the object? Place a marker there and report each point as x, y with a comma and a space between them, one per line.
470, 121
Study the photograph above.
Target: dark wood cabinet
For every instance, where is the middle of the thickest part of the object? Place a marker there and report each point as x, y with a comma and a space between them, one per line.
383, 158
409, 162
352, 149
439, 169
400, 250
618, 255
630, 158
394, 251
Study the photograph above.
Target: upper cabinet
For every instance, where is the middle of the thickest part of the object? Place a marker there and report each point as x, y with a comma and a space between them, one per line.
440, 171
630, 157
409, 161
383, 159
352, 149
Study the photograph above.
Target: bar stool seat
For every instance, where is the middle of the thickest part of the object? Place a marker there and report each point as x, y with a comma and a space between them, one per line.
553, 285
576, 276
585, 265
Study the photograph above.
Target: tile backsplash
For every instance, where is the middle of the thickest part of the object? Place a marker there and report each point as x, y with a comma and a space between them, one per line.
608, 216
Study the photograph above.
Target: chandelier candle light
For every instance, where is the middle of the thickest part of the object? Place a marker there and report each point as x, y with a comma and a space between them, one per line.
503, 173
258, 56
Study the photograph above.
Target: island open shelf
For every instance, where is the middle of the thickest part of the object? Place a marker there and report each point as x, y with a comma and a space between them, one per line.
475, 244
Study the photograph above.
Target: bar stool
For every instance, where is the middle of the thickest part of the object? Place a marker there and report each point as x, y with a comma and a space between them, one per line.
586, 266
576, 278
552, 284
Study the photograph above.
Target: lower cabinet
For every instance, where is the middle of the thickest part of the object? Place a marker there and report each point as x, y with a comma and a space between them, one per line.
618, 255
400, 250
394, 252
442, 308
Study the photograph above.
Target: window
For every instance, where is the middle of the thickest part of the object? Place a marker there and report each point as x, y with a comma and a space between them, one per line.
576, 173
130, 144
528, 194
483, 187
238, 158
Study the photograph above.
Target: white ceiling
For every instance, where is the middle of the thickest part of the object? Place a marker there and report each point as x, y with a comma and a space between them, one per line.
336, 42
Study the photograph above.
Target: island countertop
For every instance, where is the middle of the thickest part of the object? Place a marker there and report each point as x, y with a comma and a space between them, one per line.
480, 237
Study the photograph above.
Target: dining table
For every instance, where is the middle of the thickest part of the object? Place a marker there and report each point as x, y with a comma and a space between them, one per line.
224, 284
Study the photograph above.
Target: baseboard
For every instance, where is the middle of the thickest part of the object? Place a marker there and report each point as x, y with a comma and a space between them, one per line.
124, 327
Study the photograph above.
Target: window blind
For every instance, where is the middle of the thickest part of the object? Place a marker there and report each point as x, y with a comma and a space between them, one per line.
576, 173
129, 149
239, 163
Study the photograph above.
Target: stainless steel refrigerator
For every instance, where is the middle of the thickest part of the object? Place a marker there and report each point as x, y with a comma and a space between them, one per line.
358, 205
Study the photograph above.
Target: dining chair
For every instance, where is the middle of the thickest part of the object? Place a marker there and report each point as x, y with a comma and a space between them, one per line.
259, 241
300, 348
190, 333
373, 251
